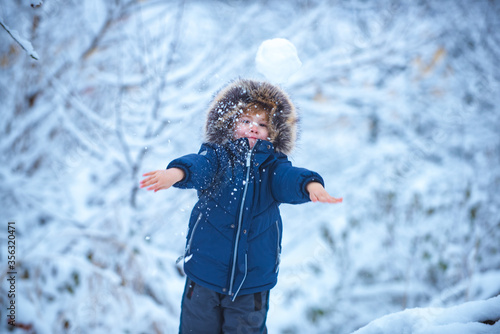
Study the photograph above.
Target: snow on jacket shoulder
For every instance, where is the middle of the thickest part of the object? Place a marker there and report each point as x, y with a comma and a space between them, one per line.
234, 240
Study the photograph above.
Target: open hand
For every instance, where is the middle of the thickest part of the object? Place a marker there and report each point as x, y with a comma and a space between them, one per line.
317, 193
162, 179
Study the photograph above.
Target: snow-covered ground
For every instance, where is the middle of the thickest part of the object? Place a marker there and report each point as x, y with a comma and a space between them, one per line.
399, 111
471, 317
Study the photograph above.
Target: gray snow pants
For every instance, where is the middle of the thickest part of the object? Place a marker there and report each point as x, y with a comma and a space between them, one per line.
205, 311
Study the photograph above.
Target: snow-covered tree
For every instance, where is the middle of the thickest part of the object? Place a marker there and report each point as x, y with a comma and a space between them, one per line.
399, 112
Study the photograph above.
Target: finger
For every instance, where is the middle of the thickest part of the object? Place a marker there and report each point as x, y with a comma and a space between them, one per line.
150, 180
165, 186
326, 198
334, 200
323, 197
149, 173
145, 185
147, 182
152, 185
147, 179
160, 188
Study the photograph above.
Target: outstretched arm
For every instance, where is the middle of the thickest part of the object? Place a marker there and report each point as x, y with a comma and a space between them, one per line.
317, 193
162, 179
297, 185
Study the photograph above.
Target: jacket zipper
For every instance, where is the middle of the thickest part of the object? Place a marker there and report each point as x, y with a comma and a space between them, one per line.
244, 277
188, 247
238, 232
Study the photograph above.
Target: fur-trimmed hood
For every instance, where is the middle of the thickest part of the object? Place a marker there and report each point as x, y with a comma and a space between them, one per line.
230, 102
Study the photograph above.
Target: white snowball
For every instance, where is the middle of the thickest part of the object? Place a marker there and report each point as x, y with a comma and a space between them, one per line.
277, 59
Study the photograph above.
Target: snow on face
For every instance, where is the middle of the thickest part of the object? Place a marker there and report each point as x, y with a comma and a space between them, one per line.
253, 126
277, 59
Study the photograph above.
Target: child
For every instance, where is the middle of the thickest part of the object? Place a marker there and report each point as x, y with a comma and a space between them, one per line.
242, 175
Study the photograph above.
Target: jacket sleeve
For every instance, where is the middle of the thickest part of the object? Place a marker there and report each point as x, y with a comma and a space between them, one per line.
200, 169
288, 184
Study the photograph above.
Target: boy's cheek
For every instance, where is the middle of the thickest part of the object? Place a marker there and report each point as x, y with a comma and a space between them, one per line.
239, 132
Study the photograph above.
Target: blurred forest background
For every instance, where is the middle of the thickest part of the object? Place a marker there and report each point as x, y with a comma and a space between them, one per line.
399, 105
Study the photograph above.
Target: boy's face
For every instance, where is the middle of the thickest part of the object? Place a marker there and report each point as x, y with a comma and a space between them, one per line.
252, 126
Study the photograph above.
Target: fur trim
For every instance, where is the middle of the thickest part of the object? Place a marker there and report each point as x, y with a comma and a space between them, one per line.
230, 102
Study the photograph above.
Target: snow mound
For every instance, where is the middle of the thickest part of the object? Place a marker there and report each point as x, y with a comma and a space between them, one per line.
277, 59
467, 318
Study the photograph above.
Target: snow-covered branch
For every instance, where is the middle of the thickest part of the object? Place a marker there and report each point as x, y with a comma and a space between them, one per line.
23, 43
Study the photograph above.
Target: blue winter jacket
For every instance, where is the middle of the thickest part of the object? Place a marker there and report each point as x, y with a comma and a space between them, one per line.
234, 240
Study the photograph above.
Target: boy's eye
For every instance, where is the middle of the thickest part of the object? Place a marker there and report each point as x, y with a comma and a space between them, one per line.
264, 125
245, 121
